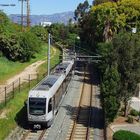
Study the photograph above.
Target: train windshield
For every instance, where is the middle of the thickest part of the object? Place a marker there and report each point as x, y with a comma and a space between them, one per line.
37, 106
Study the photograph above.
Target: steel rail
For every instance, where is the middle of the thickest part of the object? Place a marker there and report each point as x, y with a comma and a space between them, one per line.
90, 109
42, 134
74, 125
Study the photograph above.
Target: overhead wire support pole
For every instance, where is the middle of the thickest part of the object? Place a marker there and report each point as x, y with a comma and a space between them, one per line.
49, 45
28, 13
22, 15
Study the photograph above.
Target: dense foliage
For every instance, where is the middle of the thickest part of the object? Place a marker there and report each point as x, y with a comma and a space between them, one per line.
40, 32
97, 2
64, 34
29, 45
81, 11
5, 24
125, 135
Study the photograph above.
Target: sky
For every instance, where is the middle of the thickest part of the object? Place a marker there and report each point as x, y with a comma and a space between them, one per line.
39, 7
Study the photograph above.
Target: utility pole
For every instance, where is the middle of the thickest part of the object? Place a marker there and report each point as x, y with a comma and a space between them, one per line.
49, 45
28, 13
22, 14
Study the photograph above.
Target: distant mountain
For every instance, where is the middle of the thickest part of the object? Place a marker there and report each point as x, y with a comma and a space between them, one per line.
54, 18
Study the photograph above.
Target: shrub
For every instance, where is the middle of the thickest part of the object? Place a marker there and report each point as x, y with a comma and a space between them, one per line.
130, 119
125, 135
20, 46
134, 112
17, 46
40, 32
29, 45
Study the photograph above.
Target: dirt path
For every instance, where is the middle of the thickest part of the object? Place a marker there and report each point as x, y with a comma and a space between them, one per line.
24, 75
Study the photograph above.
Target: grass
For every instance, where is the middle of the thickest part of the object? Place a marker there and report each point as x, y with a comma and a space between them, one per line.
125, 135
13, 107
15, 111
8, 68
53, 62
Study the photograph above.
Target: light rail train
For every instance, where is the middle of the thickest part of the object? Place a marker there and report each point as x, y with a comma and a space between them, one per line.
44, 99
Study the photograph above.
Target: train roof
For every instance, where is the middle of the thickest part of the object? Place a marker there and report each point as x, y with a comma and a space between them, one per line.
50, 80
47, 83
61, 67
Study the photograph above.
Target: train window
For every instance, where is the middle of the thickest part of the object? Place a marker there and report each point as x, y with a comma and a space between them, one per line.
37, 106
50, 105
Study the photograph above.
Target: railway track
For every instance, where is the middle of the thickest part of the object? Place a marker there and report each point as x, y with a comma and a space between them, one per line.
35, 135
80, 127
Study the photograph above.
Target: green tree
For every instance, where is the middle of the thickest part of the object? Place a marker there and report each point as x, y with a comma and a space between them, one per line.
109, 89
120, 71
81, 10
5, 24
107, 19
127, 46
97, 2
18, 46
29, 45
64, 34
71, 39
9, 46
110, 80
40, 32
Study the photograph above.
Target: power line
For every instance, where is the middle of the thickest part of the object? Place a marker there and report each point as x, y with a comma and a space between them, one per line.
6, 5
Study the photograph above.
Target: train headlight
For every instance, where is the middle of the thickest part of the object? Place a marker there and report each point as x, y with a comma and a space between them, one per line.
30, 117
43, 118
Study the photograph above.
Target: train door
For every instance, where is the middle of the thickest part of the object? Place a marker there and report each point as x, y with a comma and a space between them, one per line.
53, 105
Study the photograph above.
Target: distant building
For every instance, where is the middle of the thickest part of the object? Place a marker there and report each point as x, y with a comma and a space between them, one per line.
135, 101
45, 23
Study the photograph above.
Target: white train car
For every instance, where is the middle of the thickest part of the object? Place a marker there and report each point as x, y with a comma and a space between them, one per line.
43, 100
